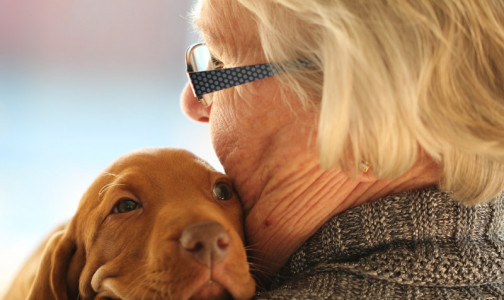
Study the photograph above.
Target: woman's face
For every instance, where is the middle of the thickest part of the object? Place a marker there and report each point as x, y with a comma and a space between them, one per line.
252, 129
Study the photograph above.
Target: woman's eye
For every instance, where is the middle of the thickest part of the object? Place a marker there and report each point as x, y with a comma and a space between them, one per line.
222, 191
217, 64
126, 205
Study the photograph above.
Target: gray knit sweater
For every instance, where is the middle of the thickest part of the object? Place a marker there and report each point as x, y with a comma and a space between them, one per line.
415, 245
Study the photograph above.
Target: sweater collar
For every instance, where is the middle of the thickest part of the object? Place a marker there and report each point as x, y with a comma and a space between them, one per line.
420, 237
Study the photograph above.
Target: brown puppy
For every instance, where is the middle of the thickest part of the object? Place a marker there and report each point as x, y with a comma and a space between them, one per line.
157, 224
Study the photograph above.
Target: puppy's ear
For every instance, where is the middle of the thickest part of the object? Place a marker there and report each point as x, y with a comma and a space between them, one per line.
51, 279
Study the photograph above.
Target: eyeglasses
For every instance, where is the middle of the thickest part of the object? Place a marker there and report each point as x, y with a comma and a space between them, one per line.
207, 74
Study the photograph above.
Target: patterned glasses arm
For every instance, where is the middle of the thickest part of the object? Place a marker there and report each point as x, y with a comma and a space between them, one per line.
205, 82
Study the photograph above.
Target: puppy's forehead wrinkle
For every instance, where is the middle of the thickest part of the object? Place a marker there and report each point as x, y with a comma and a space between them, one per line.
109, 174
205, 163
116, 182
107, 186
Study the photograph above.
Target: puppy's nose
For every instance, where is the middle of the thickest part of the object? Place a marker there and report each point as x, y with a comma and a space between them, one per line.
207, 242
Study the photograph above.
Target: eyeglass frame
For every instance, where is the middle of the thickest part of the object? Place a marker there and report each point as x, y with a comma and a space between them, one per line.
204, 82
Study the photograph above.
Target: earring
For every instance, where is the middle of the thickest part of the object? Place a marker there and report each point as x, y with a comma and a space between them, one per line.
364, 166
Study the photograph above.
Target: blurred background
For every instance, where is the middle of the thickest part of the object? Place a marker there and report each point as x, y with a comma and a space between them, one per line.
81, 83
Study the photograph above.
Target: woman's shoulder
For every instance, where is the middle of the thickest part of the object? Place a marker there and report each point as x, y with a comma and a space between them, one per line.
415, 244
339, 282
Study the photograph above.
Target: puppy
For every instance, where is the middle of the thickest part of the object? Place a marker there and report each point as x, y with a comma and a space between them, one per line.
157, 224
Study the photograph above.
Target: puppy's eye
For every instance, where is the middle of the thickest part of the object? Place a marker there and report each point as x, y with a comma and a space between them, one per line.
126, 205
222, 191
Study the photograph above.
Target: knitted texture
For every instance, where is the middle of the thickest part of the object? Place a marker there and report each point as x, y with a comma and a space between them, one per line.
414, 245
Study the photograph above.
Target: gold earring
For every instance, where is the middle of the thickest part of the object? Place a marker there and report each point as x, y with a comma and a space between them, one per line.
364, 166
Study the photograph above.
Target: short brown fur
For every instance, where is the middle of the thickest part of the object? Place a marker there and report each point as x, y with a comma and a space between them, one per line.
137, 255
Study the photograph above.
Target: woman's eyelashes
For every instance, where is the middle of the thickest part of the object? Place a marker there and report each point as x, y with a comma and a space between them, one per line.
217, 64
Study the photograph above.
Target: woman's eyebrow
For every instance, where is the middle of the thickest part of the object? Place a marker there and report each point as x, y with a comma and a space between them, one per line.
203, 27
208, 32
198, 23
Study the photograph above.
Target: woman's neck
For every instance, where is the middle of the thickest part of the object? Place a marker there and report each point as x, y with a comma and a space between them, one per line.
296, 201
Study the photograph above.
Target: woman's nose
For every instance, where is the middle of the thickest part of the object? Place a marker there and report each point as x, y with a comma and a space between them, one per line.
192, 108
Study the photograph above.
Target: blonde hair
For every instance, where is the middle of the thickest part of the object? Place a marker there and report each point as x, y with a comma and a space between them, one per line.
394, 75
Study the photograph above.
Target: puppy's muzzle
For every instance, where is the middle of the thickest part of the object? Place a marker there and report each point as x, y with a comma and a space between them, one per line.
208, 243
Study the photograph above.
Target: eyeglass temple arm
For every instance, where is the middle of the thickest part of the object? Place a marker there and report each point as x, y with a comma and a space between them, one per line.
205, 82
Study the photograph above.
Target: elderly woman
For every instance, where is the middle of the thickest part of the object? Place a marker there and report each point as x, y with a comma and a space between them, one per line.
365, 138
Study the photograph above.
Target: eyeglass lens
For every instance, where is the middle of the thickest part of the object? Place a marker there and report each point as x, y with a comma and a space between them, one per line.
201, 59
